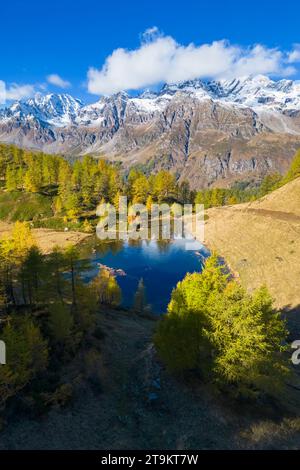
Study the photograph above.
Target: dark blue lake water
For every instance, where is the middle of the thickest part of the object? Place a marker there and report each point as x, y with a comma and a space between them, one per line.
160, 264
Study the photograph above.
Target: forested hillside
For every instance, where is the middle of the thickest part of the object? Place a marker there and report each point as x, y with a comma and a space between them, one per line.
63, 192
54, 192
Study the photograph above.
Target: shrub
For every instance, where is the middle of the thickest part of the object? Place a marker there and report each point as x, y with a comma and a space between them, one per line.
62, 396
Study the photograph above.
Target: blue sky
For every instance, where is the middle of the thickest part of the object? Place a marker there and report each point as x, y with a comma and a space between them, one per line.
67, 38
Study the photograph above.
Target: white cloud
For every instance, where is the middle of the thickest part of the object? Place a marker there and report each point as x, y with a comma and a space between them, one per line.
2, 92
150, 34
14, 91
56, 80
18, 92
294, 55
261, 60
161, 59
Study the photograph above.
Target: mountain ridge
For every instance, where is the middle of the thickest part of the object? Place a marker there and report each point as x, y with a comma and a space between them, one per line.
205, 131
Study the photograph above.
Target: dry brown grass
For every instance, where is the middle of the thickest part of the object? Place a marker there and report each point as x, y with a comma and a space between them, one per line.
260, 241
267, 434
47, 239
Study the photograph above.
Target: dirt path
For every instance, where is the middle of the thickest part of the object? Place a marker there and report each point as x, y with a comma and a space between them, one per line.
280, 215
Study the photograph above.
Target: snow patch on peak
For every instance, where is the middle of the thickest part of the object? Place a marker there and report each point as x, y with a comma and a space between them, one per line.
148, 94
147, 105
53, 109
188, 86
259, 93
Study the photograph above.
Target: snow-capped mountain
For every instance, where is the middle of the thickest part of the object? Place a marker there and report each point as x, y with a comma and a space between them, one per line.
261, 93
56, 110
204, 131
258, 93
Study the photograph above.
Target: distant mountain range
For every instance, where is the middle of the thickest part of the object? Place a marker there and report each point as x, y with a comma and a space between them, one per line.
207, 132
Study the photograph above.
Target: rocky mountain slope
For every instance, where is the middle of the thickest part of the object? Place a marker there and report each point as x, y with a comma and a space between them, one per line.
206, 132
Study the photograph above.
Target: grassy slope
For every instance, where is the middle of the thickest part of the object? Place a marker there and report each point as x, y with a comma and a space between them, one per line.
24, 206
261, 242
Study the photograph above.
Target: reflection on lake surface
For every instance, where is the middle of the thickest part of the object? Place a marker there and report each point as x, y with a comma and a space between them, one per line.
161, 264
